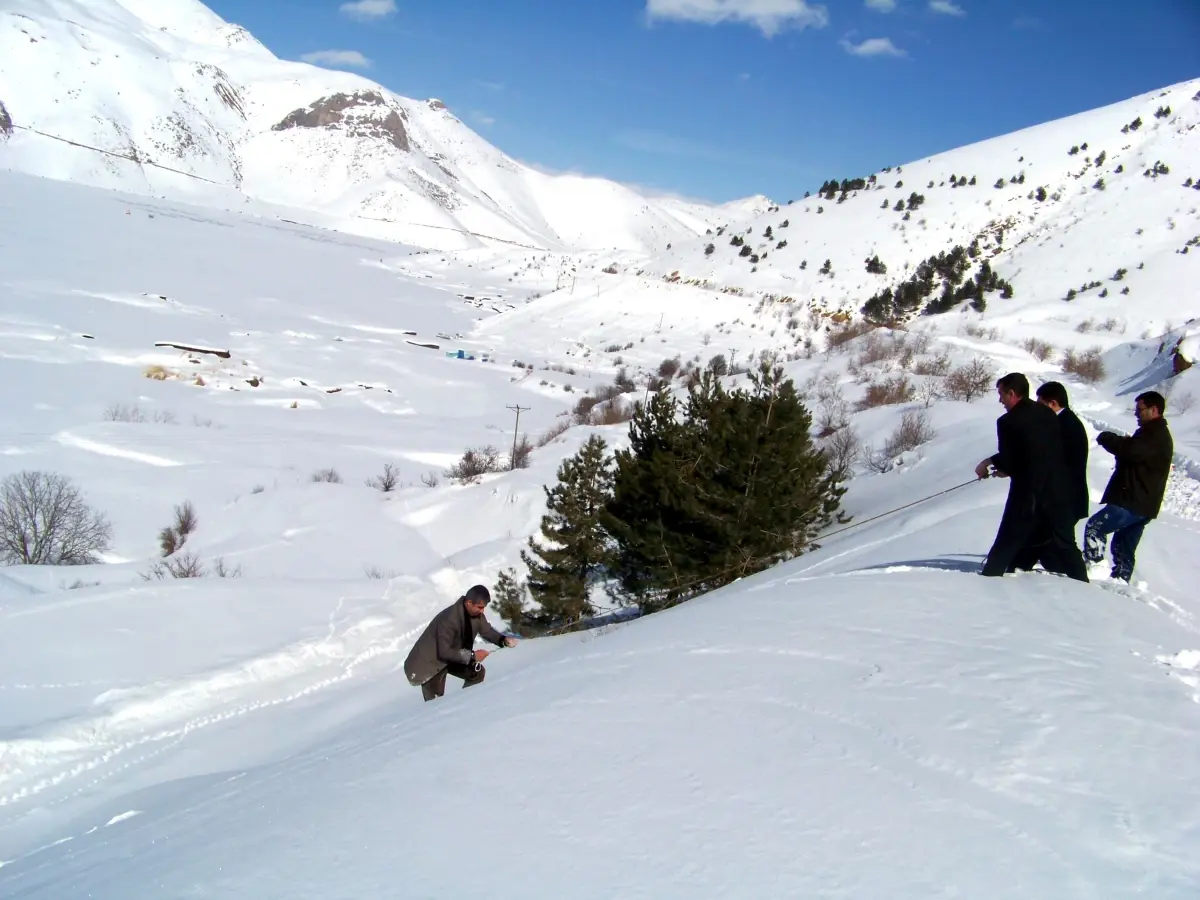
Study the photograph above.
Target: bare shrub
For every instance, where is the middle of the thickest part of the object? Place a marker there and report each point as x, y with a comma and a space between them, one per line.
978, 331
175, 535
832, 408
430, 479
475, 463
518, 457
223, 571
386, 481
553, 432
879, 347
841, 449
1038, 349
932, 365
326, 476
188, 565
120, 412
668, 367
611, 412
1087, 365
914, 430
377, 574
897, 389
844, 332
44, 521
969, 381
1183, 403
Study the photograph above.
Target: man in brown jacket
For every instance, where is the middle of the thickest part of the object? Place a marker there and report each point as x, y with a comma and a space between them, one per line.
1135, 492
446, 645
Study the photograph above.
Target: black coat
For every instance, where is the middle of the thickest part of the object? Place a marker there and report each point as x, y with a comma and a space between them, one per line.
1075, 458
1143, 465
1031, 455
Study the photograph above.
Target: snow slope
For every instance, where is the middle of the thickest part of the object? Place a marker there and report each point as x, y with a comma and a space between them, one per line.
172, 84
871, 719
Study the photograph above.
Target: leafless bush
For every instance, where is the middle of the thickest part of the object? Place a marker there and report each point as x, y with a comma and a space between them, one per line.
475, 463
1183, 403
189, 565
832, 408
841, 449
326, 476
668, 367
44, 521
978, 331
914, 430
119, 412
1085, 326
553, 432
969, 381
612, 412
387, 480
518, 457
897, 389
1038, 349
175, 535
1086, 366
430, 479
377, 574
845, 332
932, 365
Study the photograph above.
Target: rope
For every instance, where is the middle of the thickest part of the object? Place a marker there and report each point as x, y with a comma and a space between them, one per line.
820, 537
129, 157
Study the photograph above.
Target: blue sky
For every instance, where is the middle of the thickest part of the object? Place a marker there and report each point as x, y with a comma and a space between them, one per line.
719, 99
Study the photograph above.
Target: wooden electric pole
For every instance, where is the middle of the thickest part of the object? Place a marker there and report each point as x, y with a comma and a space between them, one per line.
518, 408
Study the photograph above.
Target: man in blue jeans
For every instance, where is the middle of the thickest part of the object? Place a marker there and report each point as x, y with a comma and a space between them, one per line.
1135, 491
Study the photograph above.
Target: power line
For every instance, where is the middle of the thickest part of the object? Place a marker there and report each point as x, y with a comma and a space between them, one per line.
519, 409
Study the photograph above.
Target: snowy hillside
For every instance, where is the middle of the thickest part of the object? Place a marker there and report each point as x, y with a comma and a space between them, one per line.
871, 719
169, 83
1095, 214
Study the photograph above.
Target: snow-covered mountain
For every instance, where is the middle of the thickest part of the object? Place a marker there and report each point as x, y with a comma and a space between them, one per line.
1056, 211
169, 82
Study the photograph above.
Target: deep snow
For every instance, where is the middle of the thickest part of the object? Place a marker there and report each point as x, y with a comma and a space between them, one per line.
871, 719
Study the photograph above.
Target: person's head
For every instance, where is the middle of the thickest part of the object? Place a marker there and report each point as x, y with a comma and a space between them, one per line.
1012, 389
476, 599
1149, 406
1053, 395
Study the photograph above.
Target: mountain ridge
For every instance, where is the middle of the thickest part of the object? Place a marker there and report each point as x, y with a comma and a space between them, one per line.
172, 83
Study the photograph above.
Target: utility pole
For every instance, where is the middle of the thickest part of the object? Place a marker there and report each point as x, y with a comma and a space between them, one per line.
518, 408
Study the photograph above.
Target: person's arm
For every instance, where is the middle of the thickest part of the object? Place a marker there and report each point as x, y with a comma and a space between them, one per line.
448, 649
1134, 449
491, 634
1076, 445
1002, 459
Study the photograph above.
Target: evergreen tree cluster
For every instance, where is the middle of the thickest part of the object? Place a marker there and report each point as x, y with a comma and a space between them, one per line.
832, 188
947, 271
875, 266
723, 485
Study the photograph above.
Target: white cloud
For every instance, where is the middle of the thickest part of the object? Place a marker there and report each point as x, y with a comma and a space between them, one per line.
368, 10
947, 8
483, 118
873, 47
883, 6
769, 16
337, 58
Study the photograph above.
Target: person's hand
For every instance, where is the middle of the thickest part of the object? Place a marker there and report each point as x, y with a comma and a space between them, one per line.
999, 474
510, 641
981, 470
481, 655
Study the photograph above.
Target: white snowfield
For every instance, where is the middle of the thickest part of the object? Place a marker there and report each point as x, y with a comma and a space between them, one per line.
191, 107
871, 719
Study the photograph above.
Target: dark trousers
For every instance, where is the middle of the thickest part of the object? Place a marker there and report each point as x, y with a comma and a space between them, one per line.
1126, 529
1023, 542
436, 686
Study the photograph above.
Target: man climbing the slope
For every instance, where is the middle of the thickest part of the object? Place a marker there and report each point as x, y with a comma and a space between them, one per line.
446, 645
1135, 491
1037, 513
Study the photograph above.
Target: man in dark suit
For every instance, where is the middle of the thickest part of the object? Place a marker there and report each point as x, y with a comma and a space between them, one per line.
1030, 452
1075, 448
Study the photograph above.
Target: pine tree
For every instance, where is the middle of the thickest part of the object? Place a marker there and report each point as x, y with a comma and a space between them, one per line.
732, 489
510, 599
560, 574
